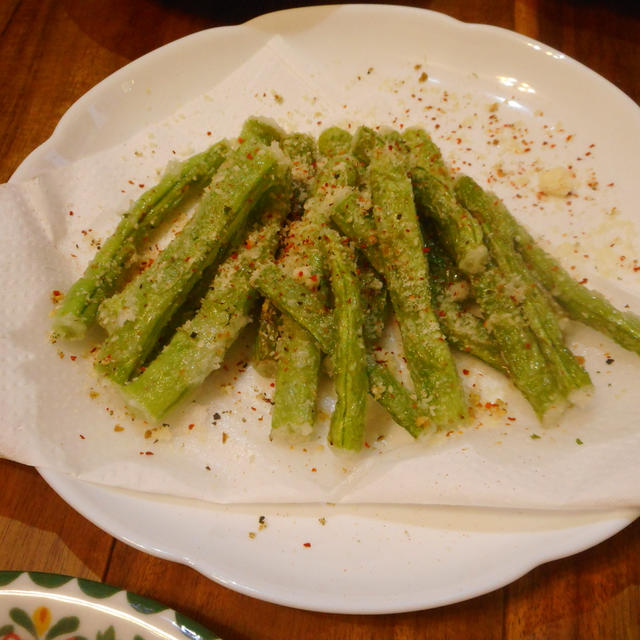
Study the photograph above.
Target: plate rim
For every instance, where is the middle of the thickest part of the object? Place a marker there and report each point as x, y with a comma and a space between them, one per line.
103, 599
607, 528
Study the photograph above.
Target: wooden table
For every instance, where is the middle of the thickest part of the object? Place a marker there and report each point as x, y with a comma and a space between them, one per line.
52, 52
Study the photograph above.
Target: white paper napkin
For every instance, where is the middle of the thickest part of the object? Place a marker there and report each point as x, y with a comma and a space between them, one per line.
57, 414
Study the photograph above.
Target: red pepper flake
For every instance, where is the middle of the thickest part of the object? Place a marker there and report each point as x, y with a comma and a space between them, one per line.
71, 213
118, 428
249, 156
511, 418
148, 453
141, 185
191, 426
307, 544
313, 469
367, 445
208, 133
465, 372
82, 437
74, 358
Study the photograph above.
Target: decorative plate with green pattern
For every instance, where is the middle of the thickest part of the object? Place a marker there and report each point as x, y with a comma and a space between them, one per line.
47, 606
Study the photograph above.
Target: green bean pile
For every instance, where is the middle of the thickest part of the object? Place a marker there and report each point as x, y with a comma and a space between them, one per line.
317, 240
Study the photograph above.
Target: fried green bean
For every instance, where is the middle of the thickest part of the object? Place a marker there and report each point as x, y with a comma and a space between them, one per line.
139, 312
105, 272
266, 343
580, 302
458, 231
298, 356
504, 320
463, 330
311, 312
570, 375
199, 346
438, 388
349, 356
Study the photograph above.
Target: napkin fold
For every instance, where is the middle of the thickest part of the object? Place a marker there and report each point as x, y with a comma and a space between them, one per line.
57, 414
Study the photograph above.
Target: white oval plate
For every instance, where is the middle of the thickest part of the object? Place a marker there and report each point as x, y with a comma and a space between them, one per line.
374, 559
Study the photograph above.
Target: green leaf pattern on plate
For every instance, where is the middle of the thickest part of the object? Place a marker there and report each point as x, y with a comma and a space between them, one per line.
39, 624
97, 589
144, 605
48, 580
63, 627
21, 618
193, 629
108, 634
68, 624
7, 577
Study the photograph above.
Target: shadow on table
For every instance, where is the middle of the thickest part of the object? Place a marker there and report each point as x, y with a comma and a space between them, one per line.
230, 13
131, 28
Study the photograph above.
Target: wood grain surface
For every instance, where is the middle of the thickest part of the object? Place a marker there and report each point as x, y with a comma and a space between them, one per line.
51, 53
